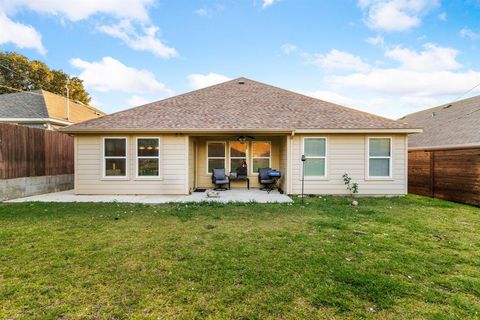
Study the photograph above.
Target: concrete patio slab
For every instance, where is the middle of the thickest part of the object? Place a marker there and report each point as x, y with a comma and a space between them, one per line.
235, 195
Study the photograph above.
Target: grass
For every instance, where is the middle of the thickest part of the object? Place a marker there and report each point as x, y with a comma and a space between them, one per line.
389, 258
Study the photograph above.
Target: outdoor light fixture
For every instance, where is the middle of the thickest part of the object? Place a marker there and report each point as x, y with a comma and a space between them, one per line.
303, 173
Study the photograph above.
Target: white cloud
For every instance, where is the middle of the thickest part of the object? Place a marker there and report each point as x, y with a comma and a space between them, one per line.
23, 36
339, 60
396, 15
289, 48
434, 71
432, 58
110, 74
333, 60
267, 3
138, 101
209, 11
332, 96
143, 38
442, 16
76, 10
469, 33
198, 81
407, 81
376, 41
147, 41
201, 12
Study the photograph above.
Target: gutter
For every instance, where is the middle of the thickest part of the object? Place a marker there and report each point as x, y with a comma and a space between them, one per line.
292, 132
446, 147
36, 120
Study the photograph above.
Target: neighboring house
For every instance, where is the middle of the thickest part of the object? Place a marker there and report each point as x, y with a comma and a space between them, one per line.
171, 146
43, 109
445, 158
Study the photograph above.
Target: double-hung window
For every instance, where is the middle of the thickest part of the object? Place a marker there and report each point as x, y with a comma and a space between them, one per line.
238, 155
315, 151
115, 157
215, 156
379, 157
261, 155
148, 157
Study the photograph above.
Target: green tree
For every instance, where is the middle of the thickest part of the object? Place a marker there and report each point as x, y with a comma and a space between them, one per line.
18, 72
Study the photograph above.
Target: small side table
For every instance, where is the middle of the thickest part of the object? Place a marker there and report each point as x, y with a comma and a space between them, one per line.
240, 178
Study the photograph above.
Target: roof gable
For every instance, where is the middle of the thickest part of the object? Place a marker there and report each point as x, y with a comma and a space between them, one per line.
239, 104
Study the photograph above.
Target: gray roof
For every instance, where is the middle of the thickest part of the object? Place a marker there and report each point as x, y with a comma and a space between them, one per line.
240, 104
23, 105
451, 124
41, 104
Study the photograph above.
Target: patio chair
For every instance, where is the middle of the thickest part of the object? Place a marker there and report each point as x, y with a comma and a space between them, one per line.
220, 179
265, 180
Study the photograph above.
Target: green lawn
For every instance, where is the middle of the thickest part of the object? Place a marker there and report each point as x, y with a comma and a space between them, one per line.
390, 258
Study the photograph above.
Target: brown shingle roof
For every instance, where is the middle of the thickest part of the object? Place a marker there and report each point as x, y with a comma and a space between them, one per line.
241, 104
452, 124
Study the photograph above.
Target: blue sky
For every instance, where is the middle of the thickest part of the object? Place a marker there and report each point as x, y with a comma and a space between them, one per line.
389, 57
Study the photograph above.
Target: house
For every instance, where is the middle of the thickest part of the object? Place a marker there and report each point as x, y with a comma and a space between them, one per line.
43, 109
445, 158
171, 146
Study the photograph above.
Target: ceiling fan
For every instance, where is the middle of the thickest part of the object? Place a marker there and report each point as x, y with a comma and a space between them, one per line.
243, 139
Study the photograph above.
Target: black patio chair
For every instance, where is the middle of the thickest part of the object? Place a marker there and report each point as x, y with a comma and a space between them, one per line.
220, 179
265, 180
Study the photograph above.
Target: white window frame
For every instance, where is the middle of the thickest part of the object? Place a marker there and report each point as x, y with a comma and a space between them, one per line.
224, 157
104, 159
137, 158
325, 176
230, 155
269, 158
390, 158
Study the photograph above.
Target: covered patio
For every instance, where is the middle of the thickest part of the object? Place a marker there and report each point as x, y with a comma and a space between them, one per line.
235, 195
232, 151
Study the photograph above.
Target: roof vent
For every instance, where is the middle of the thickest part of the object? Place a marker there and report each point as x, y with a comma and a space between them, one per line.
433, 114
241, 81
448, 106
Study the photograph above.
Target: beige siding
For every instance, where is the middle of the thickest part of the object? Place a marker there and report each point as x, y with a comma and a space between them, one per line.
204, 180
347, 153
191, 164
173, 167
283, 162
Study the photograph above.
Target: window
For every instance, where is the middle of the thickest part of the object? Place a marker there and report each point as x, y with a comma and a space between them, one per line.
115, 157
315, 151
261, 153
238, 155
379, 157
148, 157
215, 156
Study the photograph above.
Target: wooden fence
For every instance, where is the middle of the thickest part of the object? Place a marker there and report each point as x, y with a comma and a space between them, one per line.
29, 152
446, 174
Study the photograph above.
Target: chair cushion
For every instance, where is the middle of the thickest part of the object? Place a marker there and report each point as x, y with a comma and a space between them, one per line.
221, 181
267, 181
219, 174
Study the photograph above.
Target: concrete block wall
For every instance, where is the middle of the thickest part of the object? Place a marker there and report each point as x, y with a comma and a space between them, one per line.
30, 186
